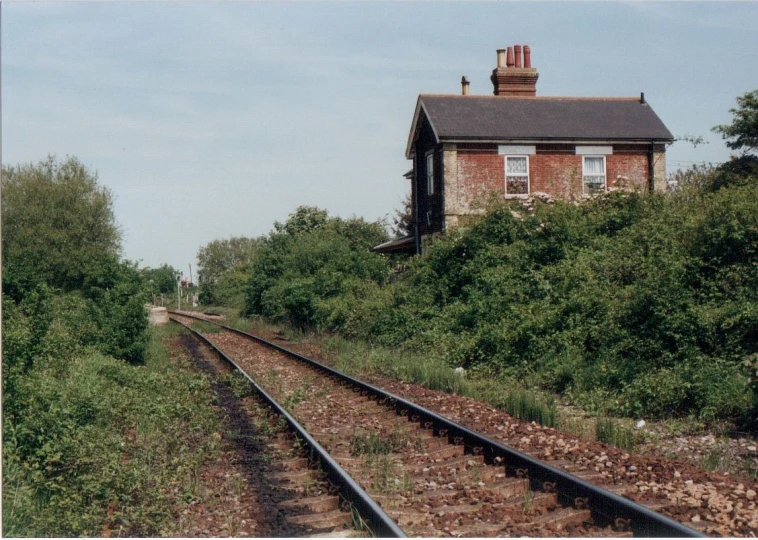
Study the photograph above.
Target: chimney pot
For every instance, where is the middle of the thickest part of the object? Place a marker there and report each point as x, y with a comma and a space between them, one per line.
464, 86
513, 80
501, 58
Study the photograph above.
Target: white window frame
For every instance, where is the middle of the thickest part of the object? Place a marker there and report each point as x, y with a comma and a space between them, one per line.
585, 191
430, 172
528, 176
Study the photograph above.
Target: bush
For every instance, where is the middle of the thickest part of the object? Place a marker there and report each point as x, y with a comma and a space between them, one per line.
302, 268
640, 304
103, 447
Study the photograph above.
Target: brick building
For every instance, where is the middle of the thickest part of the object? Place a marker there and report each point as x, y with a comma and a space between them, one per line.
516, 144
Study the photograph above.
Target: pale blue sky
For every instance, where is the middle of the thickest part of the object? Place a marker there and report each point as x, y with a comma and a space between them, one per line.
211, 120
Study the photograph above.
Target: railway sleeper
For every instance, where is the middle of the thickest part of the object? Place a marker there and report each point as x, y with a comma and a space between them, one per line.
317, 504
334, 519
446, 452
458, 463
560, 519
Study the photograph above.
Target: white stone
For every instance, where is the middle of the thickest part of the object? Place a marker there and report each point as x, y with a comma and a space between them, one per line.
158, 316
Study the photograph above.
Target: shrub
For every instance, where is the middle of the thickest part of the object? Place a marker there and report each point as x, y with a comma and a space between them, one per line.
103, 447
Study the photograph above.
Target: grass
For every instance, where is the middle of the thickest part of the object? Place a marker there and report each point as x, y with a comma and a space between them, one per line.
611, 431
358, 358
122, 445
294, 399
386, 475
238, 384
373, 444
206, 327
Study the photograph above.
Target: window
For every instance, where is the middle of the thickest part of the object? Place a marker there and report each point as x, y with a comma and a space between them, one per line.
430, 173
517, 175
593, 174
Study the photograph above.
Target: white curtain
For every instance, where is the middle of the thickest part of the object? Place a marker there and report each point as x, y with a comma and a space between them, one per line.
594, 165
516, 165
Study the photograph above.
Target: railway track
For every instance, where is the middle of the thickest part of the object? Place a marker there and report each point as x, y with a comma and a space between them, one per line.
409, 471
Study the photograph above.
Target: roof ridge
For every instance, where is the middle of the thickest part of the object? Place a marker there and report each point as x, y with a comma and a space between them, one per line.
536, 98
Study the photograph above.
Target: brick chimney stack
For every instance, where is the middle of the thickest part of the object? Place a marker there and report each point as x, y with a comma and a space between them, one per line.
512, 79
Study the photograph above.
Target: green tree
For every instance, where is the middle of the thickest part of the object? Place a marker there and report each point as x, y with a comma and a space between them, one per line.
742, 133
222, 263
304, 219
308, 263
58, 225
402, 221
163, 279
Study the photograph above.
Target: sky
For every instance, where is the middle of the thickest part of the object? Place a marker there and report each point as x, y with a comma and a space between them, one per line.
213, 120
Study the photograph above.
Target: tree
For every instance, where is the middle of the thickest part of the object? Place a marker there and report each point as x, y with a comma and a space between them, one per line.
163, 279
222, 264
403, 219
220, 256
742, 133
304, 219
58, 225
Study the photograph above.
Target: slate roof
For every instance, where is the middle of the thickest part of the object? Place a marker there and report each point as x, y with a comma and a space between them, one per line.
497, 118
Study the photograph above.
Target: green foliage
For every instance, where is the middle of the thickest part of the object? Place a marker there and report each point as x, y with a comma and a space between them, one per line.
72, 310
308, 268
629, 303
103, 446
238, 384
610, 431
224, 265
742, 133
373, 444
523, 404
305, 219
58, 225
160, 280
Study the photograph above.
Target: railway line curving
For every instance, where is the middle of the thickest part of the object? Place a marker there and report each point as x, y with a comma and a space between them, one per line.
431, 476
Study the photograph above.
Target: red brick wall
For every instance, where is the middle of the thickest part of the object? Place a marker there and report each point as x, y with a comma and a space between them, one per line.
555, 170
479, 172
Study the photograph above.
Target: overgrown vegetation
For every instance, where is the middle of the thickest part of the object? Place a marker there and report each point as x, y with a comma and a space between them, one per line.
629, 304
104, 447
100, 436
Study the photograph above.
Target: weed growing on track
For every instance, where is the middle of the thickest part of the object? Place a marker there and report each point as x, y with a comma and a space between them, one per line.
206, 327
386, 475
373, 444
525, 405
528, 501
238, 384
294, 399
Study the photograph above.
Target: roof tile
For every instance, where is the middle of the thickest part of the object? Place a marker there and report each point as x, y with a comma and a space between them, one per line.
550, 118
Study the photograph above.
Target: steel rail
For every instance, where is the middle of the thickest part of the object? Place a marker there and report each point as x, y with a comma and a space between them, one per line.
643, 521
380, 523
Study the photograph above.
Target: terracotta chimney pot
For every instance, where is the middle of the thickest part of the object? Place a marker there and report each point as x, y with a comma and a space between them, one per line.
510, 63
517, 51
527, 56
